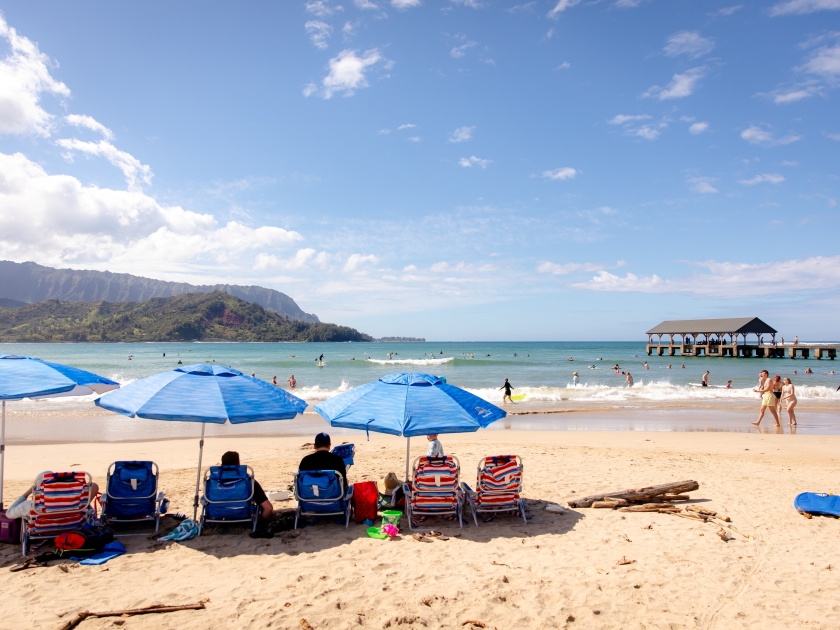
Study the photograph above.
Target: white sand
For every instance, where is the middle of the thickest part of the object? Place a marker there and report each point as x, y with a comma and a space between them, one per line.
504, 573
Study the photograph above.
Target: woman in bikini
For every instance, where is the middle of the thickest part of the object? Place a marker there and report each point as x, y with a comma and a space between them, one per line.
777, 392
789, 396
768, 400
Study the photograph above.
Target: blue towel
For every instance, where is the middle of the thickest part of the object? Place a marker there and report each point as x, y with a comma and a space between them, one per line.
111, 550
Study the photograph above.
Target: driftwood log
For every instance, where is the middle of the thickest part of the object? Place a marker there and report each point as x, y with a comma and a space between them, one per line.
638, 494
651, 507
80, 617
707, 512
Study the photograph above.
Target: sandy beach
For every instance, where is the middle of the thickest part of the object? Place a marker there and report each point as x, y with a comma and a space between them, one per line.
559, 571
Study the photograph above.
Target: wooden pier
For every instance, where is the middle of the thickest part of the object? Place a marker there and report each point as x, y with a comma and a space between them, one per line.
728, 338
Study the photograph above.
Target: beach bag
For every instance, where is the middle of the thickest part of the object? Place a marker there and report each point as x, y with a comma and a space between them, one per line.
365, 501
84, 543
9, 529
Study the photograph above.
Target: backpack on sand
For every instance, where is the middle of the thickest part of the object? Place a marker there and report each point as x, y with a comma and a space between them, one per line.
365, 501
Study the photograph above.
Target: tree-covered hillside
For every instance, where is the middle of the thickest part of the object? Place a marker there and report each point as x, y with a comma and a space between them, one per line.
215, 316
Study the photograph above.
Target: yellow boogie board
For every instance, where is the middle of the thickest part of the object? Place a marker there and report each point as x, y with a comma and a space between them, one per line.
518, 397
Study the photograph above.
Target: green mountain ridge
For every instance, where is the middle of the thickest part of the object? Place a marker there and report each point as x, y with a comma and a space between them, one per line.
214, 316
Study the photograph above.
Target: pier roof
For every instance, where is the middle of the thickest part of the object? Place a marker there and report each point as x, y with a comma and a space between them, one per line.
742, 325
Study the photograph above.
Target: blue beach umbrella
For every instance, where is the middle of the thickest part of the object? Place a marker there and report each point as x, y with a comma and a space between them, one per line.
206, 394
28, 377
409, 404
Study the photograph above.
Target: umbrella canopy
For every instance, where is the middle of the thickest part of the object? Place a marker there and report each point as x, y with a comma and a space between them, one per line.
203, 393
409, 404
28, 377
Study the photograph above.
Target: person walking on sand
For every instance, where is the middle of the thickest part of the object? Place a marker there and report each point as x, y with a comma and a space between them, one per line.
705, 381
292, 382
789, 396
507, 387
768, 400
777, 392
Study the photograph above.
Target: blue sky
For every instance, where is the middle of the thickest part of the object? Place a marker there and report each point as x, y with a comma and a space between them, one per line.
456, 170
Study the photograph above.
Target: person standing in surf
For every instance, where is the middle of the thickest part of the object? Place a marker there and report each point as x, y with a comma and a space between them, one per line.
705, 381
507, 387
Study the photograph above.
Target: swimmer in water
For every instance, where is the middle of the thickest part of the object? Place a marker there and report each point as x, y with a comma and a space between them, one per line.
274, 380
646, 366
292, 382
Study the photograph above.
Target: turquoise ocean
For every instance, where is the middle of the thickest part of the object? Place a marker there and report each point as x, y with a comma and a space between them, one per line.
542, 371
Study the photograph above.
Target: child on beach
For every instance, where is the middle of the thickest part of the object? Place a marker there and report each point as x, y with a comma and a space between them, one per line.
435, 447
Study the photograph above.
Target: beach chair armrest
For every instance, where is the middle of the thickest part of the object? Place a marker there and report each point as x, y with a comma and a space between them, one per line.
349, 494
467, 490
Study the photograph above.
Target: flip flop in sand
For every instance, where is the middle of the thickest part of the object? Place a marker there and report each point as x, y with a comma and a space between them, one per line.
436, 534
29, 563
421, 538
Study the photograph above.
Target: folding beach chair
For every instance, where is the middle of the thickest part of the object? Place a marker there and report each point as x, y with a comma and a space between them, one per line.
321, 493
228, 496
435, 489
60, 504
131, 494
345, 452
498, 487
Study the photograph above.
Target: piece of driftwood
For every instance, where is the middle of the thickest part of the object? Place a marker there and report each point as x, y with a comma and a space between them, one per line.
621, 502
729, 526
707, 512
647, 507
636, 494
692, 516
670, 510
674, 497
80, 617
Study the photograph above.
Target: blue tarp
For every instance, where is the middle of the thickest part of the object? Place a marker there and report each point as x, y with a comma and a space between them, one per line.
409, 404
203, 393
28, 377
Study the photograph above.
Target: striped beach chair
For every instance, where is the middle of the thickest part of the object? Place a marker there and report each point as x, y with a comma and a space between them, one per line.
434, 489
498, 487
60, 503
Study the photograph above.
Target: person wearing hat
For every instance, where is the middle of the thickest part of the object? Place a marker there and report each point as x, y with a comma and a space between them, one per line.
322, 459
574, 378
388, 486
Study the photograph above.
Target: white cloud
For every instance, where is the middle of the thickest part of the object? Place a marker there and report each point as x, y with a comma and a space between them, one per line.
319, 33
561, 6
90, 123
407, 126
405, 4
527, 6
732, 280
473, 4
621, 119
460, 267
461, 134
562, 173
702, 185
356, 260
770, 178
726, 11
414, 139
647, 132
24, 77
322, 8
365, 4
460, 51
689, 43
761, 137
56, 220
804, 6
549, 34
132, 169
698, 128
567, 268
563, 66
793, 96
474, 161
346, 75
681, 85
383, 132
825, 62
303, 259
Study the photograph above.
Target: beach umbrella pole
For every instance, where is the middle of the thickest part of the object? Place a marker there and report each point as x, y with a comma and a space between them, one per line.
198, 476
2, 452
407, 456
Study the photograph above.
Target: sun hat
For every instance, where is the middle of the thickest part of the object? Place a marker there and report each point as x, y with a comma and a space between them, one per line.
575, 374
389, 483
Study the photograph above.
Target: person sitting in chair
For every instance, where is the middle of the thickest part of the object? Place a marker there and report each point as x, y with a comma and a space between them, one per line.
322, 459
231, 458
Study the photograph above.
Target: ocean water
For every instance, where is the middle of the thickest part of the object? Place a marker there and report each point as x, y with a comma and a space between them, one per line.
541, 371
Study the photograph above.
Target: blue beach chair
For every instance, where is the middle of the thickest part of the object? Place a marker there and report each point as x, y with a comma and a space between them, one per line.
321, 493
131, 494
228, 496
345, 452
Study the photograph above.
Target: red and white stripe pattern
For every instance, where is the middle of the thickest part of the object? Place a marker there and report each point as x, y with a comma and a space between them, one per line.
60, 503
436, 485
499, 482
